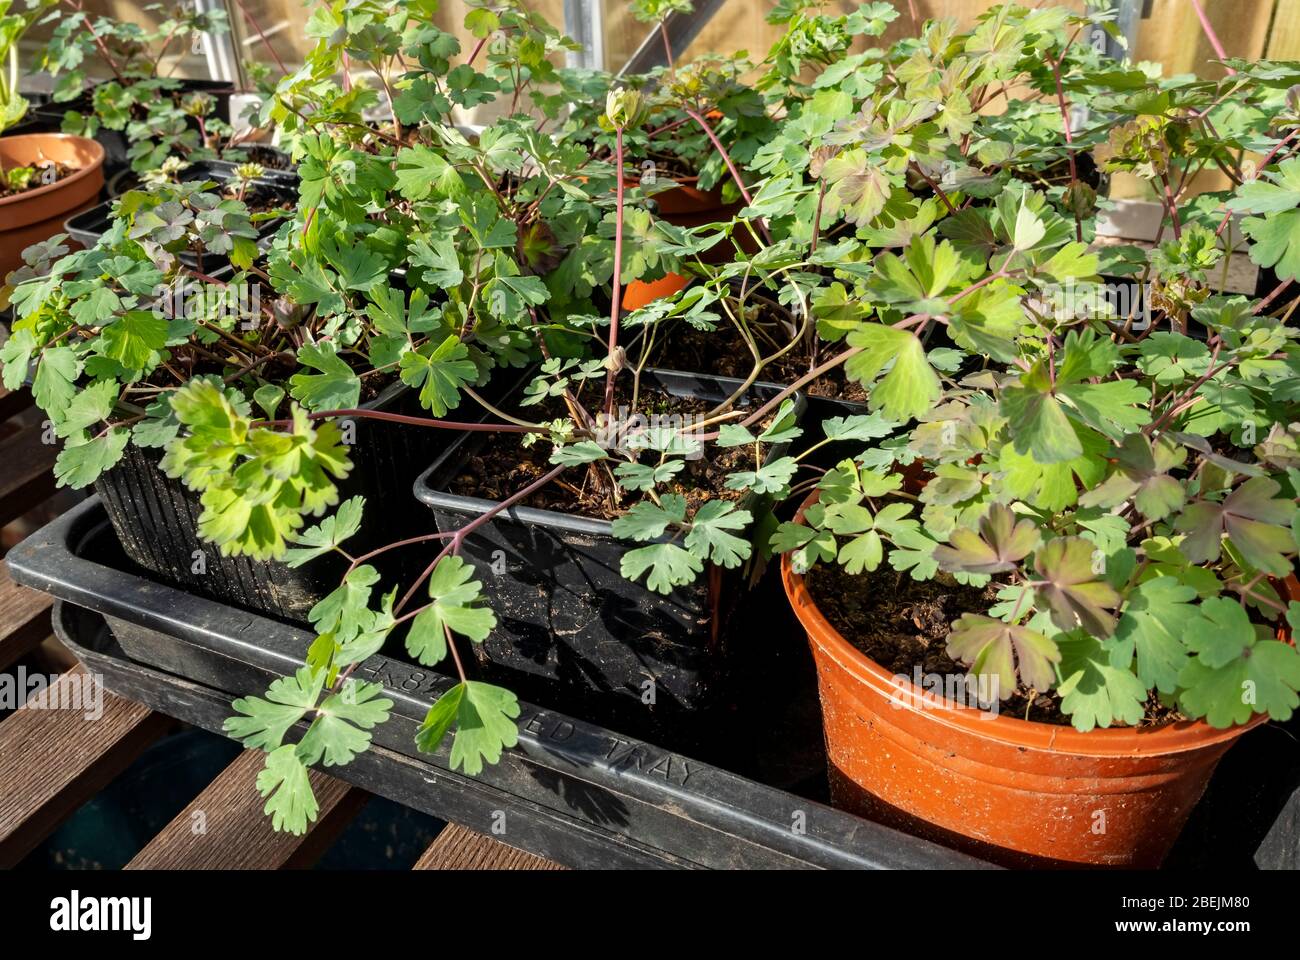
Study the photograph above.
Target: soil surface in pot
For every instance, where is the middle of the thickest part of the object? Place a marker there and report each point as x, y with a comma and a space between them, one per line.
275, 364
503, 465
724, 353
261, 199
37, 179
901, 624
267, 157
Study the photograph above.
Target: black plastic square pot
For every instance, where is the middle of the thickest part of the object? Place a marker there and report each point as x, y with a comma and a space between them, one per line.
571, 630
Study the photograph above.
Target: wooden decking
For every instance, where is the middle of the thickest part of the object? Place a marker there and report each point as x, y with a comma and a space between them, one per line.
54, 760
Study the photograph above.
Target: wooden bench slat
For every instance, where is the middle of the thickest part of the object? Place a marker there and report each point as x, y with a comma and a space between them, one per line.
237, 835
54, 760
458, 848
26, 480
24, 618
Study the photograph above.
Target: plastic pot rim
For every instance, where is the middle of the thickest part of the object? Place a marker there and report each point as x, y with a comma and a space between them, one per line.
552, 519
96, 163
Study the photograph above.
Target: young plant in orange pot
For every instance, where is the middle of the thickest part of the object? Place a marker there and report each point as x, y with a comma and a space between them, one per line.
44, 177
1043, 612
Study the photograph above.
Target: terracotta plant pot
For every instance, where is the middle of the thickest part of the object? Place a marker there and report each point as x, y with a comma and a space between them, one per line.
638, 293
1013, 791
685, 204
35, 215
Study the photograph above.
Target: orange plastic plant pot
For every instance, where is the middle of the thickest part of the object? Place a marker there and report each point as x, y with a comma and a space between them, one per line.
638, 293
35, 215
1014, 791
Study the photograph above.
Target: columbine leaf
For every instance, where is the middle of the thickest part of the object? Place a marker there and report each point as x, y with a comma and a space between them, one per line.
806, 545
328, 534
345, 611
1112, 407
52, 386
910, 388
268, 398
669, 565
1037, 420
1142, 473
1152, 628
857, 186
89, 407
256, 484
1236, 673
266, 721
336, 387
640, 476
574, 454
455, 595
134, 339
285, 784
914, 552
733, 435
365, 643
646, 520
1276, 237
710, 537
1093, 691
1072, 589
341, 728
869, 426
80, 465
771, 478
439, 370
993, 648
1255, 522
782, 428
484, 717
1000, 544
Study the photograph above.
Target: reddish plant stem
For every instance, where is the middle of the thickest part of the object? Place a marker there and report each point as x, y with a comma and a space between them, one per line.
473, 54
817, 217
668, 126
458, 537
1171, 205
808, 377
1263, 304
1212, 36
835, 361
1177, 406
616, 305
935, 187
668, 47
266, 42
455, 654
1069, 137
404, 419
394, 546
731, 167
99, 41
